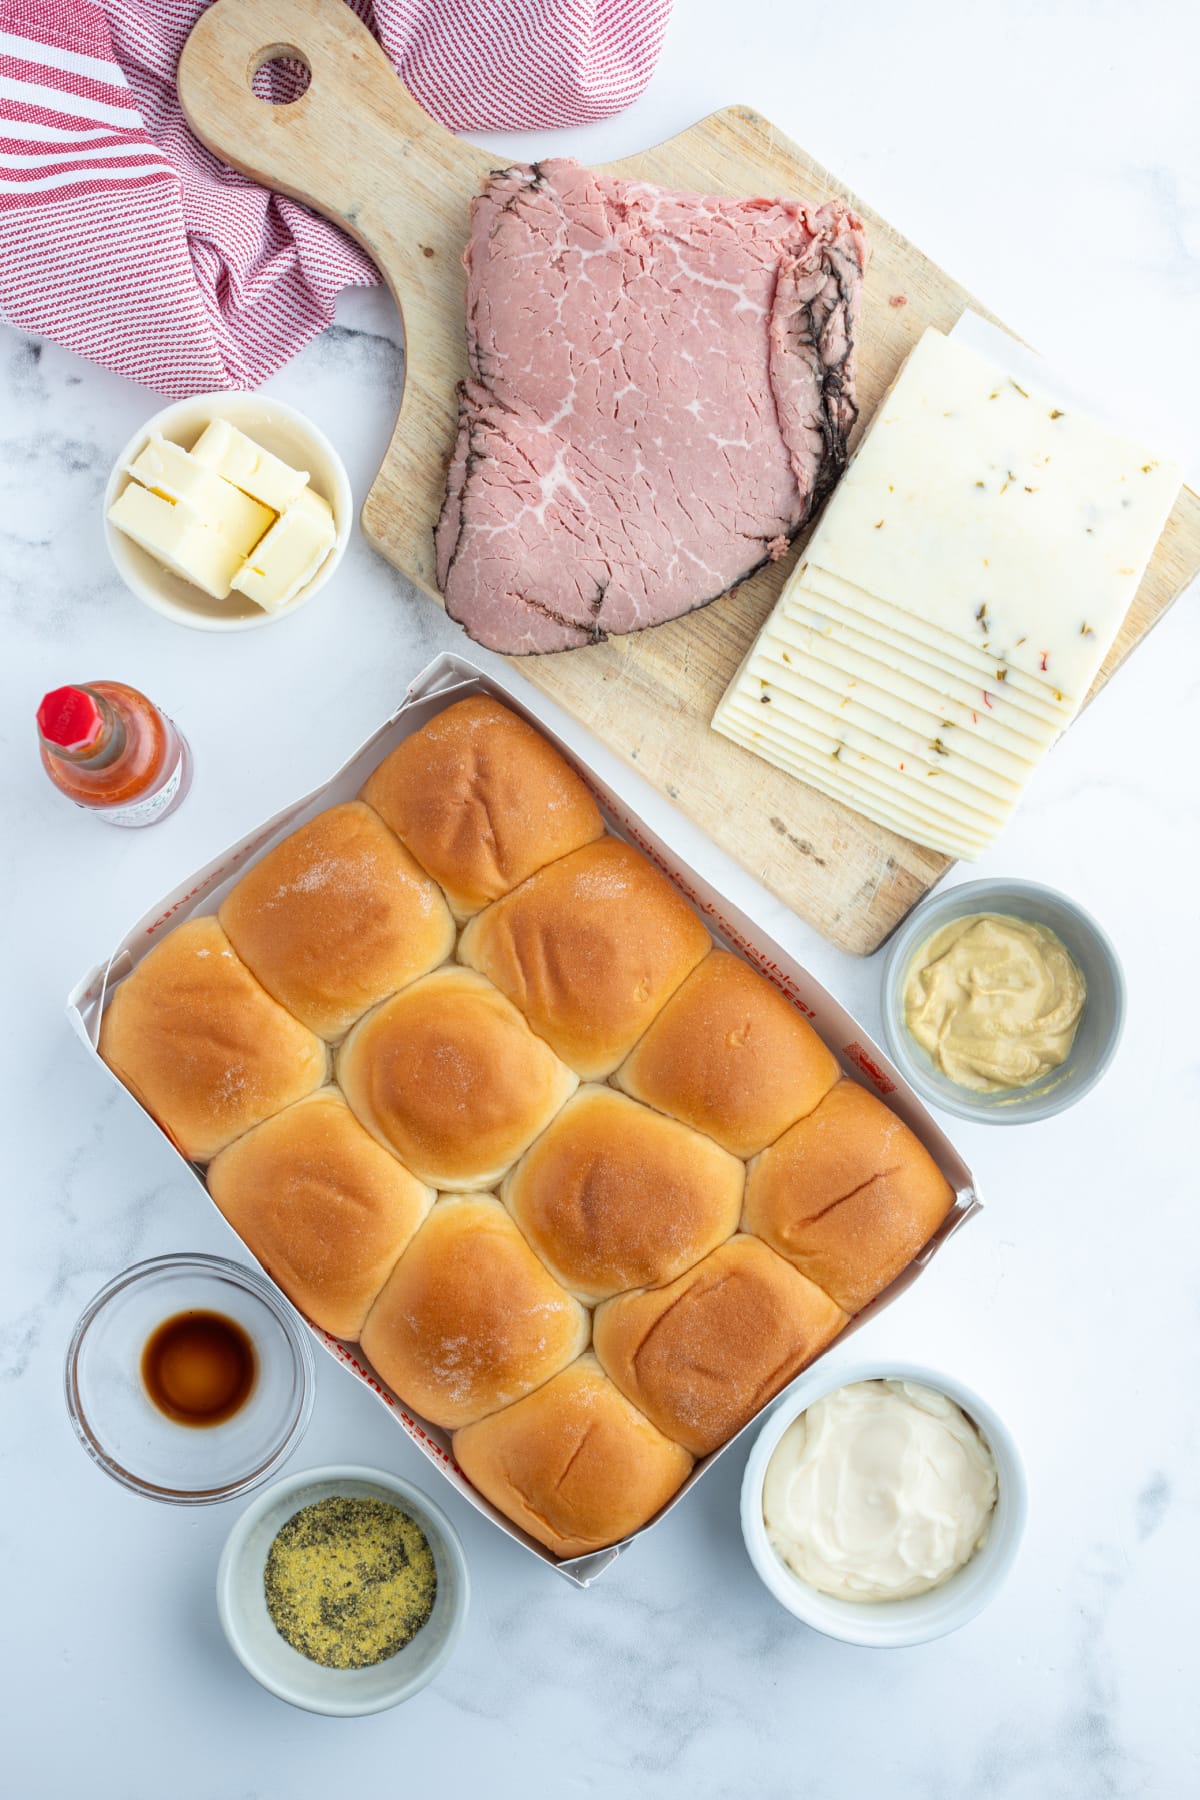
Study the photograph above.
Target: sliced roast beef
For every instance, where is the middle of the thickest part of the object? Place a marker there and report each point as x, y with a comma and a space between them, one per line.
662, 387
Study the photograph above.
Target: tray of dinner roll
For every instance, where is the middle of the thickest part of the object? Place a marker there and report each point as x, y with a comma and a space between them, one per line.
542, 1138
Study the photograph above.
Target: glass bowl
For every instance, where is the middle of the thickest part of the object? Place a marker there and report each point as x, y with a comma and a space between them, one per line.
121, 1428
1099, 1030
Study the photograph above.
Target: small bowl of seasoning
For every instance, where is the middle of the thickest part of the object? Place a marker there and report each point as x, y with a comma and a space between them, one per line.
1003, 1001
343, 1590
188, 1379
883, 1504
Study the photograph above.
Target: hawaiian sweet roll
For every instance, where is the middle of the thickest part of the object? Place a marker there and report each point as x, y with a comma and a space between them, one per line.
615, 1196
336, 918
848, 1195
325, 1209
703, 1354
482, 800
469, 1320
574, 1464
590, 949
449, 1076
731, 1056
196, 1038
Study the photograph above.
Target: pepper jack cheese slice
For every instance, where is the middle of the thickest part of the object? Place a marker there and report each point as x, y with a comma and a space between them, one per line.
855, 769
1028, 693
874, 805
178, 538
926, 698
291, 553
858, 633
927, 783
942, 631
173, 473
983, 507
266, 478
841, 781
850, 777
932, 793
907, 739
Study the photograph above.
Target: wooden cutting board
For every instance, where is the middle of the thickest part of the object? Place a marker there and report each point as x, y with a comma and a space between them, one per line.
357, 147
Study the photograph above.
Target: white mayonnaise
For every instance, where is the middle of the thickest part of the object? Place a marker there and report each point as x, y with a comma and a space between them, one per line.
879, 1491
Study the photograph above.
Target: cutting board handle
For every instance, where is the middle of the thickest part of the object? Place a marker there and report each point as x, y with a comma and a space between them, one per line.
355, 145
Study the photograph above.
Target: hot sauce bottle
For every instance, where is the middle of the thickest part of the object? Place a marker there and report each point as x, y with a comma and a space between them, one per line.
111, 751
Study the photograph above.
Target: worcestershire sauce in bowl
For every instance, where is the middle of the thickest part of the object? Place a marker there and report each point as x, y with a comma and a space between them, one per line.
199, 1368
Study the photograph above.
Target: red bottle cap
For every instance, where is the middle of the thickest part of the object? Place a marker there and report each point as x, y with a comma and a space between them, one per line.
70, 718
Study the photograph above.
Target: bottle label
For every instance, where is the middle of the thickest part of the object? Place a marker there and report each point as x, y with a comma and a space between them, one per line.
144, 812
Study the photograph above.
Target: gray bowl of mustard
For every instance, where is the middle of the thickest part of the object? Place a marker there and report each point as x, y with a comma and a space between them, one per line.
1100, 1025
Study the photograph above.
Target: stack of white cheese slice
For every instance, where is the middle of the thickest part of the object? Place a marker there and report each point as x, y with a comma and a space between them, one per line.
955, 602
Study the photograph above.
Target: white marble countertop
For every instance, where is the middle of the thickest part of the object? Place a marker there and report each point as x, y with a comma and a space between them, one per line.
1049, 161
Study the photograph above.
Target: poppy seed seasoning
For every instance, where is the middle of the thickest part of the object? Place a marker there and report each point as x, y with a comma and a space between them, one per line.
349, 1582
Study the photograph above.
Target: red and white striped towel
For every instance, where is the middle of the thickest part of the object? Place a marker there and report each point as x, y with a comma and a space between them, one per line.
123, 239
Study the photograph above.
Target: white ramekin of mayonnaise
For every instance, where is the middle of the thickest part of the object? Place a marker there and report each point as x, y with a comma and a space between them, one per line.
883, 1503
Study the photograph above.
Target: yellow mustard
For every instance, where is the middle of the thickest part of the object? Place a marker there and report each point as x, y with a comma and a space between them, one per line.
994, 1001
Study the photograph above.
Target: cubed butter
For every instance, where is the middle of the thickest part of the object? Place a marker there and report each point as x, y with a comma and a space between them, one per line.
238, 459
291, 553
174, 473
178, 538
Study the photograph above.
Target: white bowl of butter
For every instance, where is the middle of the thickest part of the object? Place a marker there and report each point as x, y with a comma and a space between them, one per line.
883, 1504
227, 511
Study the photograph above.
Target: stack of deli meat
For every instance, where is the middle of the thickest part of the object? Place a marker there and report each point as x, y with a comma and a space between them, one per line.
470, 1078
661, 390
955, 602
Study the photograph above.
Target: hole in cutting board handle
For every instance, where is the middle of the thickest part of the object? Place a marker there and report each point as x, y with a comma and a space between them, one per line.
280, 75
